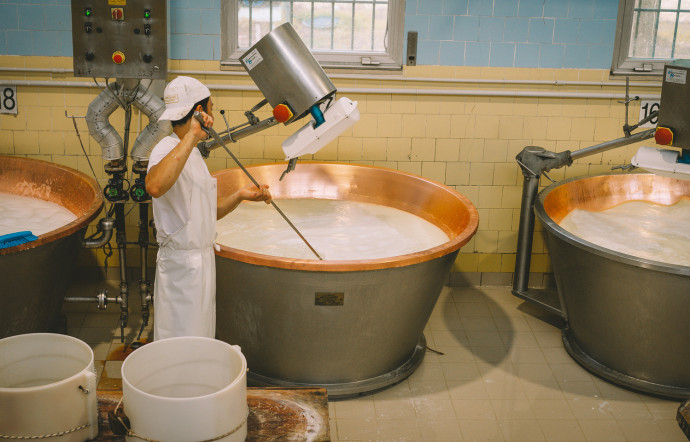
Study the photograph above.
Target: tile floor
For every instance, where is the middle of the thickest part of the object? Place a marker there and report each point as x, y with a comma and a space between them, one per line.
503, 376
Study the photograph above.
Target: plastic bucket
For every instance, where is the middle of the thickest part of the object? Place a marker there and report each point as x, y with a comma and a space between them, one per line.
186, 389
47, 387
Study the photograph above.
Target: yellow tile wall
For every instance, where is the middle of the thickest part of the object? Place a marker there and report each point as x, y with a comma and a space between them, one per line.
466, 142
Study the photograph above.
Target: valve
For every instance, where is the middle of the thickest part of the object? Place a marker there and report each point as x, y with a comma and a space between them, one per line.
138, 191
114, 191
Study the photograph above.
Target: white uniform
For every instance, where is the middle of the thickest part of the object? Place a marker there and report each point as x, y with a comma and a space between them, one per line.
185, 216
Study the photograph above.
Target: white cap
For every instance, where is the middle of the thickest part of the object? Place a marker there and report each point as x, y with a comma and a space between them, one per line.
181, 95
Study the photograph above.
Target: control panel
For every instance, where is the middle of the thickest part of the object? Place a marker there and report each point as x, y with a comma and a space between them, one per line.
120, 38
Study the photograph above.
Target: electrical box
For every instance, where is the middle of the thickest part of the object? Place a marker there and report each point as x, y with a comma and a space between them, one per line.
674, 107
120, 38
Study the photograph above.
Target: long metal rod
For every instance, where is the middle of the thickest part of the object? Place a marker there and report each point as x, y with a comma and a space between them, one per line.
591, 150
216, 137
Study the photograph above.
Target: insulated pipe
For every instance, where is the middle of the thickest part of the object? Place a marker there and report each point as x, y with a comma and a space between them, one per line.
100, 128
153, 107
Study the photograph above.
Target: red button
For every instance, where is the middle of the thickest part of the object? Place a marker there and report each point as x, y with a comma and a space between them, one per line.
282, 113
664, 136
118, 57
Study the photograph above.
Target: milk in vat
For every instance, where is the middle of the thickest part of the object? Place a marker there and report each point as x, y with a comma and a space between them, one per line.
638, 228
338, 230
18, 213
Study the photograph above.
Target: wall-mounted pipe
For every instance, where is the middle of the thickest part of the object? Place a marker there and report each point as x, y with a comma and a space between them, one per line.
387, 91
369, 77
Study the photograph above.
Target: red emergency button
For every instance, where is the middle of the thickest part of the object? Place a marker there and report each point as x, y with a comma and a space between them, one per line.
117, 14
282, 113
664, 136
118, 57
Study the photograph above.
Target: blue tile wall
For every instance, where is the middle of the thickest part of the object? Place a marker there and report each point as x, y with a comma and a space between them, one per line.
535, 33
505, 33
502, 54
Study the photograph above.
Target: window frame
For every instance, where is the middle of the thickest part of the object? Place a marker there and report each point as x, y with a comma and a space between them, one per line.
392, 60
621, 63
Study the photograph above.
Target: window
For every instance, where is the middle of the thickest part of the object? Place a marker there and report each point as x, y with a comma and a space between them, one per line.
649, 34
364, 34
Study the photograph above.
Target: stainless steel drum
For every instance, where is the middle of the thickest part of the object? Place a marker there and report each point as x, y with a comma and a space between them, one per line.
348, 326
628, 318
34, 276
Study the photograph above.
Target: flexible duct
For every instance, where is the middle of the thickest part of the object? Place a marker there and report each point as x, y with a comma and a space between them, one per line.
99, 126
153, 107
105, 134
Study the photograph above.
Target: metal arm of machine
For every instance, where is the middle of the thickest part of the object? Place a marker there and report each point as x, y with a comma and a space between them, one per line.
105, 228
205, 147
534, 161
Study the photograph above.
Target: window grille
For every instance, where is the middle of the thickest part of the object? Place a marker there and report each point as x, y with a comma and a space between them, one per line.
340, 33
649, 34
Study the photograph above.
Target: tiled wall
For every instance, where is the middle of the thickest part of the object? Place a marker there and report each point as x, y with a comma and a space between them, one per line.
514, 33
467, 142
501, 33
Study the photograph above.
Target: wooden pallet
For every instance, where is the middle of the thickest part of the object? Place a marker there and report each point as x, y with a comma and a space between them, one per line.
274, 414
683, 418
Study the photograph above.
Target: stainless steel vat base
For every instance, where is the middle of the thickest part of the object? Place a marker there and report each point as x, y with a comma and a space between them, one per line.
617, 377
346, 390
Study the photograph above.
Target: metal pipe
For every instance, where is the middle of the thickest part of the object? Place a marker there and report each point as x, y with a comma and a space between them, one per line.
100, 129
608, 145
105, 227
206, 146
525, 233
445, 92
153, 107
382, 78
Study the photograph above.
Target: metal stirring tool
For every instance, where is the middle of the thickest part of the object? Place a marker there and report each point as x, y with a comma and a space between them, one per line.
219, 140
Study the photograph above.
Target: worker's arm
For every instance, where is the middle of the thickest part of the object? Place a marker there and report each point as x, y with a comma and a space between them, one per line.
161, 177
247, 193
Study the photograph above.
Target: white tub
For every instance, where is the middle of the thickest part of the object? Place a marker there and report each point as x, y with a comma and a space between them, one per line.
186, 389
47, 387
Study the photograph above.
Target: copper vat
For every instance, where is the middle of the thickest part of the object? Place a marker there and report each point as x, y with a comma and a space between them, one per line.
626, 317
348, 326
35, 275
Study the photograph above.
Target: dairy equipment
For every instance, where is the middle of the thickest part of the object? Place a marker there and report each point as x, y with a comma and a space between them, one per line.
185, 388
47, 388
673, 127
627, 317
128, 42
611, 363
294, 84
350, 326
35, 275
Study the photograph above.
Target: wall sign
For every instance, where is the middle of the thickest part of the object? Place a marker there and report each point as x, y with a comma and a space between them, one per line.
8, 100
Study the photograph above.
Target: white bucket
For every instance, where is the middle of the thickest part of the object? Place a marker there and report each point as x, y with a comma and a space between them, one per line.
186, 389
47, 387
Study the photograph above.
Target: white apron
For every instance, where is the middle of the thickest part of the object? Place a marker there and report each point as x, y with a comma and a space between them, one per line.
185, 288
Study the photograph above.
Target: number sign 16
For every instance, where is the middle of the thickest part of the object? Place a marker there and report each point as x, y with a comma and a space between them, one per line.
646, 108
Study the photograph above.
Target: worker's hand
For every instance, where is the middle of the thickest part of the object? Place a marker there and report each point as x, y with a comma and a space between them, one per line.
251, 193
196, 130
